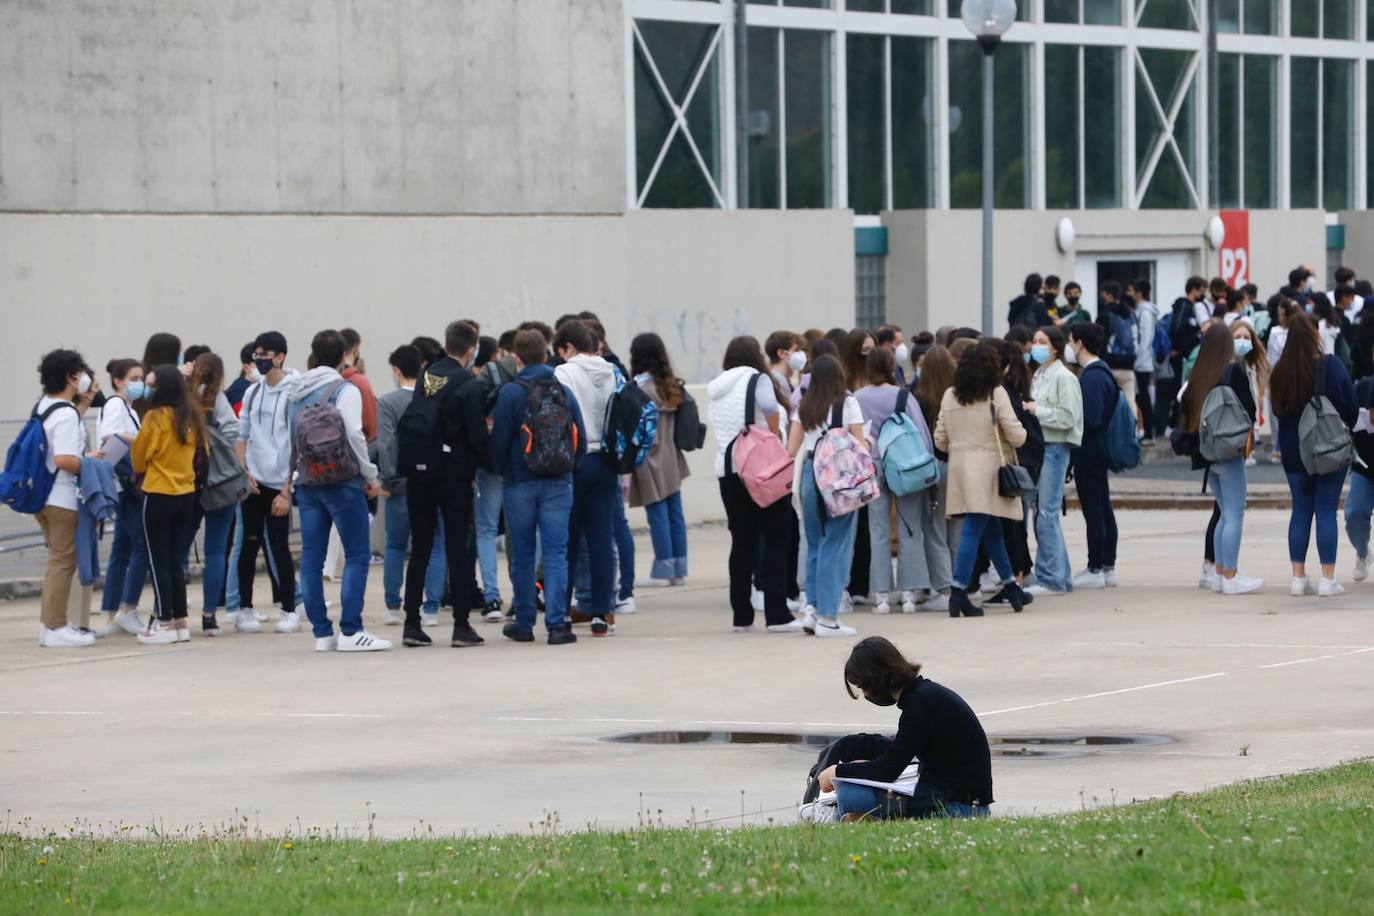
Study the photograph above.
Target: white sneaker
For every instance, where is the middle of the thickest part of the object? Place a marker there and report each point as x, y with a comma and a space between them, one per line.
749, 629
908, 603
1250, 462
1039, 590
1329, 588
809, 620
1208, 577
1241, 585
989, 583
881, 606
326, 643
756, 601
858, 599
1109, 576
793, 627
834, 628
1361, 569
794, 605
289, 622
1090, 579
391, 616
677, 580
69, 637
246, 621
939, 602
654, 583
626, 606
846, 604
819, 812
362, 641
157, 634
495, 615
429, 618
260, 616
1301, 586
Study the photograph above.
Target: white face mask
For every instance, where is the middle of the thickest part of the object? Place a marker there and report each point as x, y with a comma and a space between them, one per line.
83, 384
796, 360
1070, 356
902, 353
253, 376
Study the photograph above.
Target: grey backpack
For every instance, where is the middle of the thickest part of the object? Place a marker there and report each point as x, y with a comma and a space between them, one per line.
1225, 426
322, 453
226, 481
1324, 441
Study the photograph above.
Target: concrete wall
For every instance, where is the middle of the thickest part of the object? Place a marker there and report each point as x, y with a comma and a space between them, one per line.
1359, 240
353, 106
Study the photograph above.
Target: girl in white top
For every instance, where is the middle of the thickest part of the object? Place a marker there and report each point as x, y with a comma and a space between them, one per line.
829, 541
118, 416
128, 566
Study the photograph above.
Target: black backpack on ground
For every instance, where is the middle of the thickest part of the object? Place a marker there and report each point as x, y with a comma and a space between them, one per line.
690, 433
548, 428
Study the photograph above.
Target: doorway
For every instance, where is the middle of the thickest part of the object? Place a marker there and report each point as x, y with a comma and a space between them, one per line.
1167, 272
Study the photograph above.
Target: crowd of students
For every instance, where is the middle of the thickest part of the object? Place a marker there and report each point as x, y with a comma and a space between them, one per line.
854, 467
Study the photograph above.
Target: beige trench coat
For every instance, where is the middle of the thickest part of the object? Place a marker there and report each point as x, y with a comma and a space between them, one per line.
967, 433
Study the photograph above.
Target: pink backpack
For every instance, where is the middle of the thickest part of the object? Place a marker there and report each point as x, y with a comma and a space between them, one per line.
844, 470
759, 457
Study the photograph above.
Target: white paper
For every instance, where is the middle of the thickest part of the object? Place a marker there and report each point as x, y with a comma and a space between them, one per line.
905, 784
114, 450
1362, 425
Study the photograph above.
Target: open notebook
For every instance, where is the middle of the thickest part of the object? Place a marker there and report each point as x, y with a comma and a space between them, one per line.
905, 784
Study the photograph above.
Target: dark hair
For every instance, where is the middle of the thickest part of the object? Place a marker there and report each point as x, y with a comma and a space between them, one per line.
169, 390
885, 334
539, 326
1218, 288
1034, 283
876, 666
207, 380
880, 367
964, 334
430, 349
1090, 334
597, 329
1056, 339
486, 351
1143, 287
1216, 351
459, 338
1250, 290
273, 341
57, 367
476, 325
507, 340
647, 354
586, 315
161, 348
1194, 282
1234, 298
1364, 288
194, 352
119, 368
351, 337
937, 376
531, 347
1110, 288
327, 349
743, 351
978, 374
854, 372
1295, 374
1072, 284
778, 340
837, 336
1018, 335
1052, 281
407, 360
564, 319
1344, 276
824, 347
246, 352
1015, 372
826, 388
575, 334
1344, 292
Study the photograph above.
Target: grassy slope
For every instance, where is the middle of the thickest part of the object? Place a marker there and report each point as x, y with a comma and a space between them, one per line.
1299, 844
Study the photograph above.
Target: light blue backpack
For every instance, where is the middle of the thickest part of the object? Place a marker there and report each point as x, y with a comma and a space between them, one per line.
908, 465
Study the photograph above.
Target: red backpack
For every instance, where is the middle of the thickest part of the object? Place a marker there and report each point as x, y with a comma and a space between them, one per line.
759, 458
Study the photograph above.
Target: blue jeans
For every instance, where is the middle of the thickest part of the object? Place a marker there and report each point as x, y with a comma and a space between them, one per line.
397, 518
487, 523
1359, 503
1228, 485
856, 799
595, 491
1315, 496
216, 548
136, 576
829, 548
986, 530
668, 531
231, 579
624, 546
1051, 556
128, 528
344, 507
539, 507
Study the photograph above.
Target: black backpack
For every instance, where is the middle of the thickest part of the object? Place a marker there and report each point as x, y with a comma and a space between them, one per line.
420, 434
631, 425
690, 433
548, 428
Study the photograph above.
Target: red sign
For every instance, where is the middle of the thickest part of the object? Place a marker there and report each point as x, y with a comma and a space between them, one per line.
1235, 249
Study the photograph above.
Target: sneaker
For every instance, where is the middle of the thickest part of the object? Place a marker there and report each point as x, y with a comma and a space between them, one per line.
794, 605
415, 637
563, 635
1251, 462
834, 628
94, 634
1241, 585
756, 601
577, 615
1329, 588
1301, 586
262, 618
794, 627
363, 641
600, 627
246, 621
1090, 578
908, 603
71, 638
517, 633
493, 612
464, 636
846, 604
124, 622
326, 643
183, 628
208, 625
1208, 577
289, 622
881, 605
857, 599
751, 628
391, 616
1109, 576
656, 583
158, 633
626, 606
376, 559
1038, 589
817, 813
1361, 569
989, 584
677, 580
938, 602
429, 618
809, 620
1011, 594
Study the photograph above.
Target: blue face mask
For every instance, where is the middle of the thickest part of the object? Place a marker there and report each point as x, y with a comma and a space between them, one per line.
1243, 347
1026, 357
135, 390
1040, 353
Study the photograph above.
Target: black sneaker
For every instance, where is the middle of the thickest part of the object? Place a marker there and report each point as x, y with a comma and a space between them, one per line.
208, 625
562, 635
415, 636
514, 631
1011, 594
464, 636
600, 627
492, 612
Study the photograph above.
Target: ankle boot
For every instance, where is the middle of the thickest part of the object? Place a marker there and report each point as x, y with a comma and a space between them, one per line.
959, 603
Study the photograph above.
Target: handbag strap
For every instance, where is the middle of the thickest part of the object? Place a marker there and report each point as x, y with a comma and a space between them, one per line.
996, 429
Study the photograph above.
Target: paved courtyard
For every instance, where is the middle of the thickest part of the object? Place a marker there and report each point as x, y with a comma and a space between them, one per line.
504, 737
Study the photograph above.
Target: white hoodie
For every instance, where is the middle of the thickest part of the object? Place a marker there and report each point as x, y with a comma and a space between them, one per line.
349, 404
592, 381
265, 430
728, 393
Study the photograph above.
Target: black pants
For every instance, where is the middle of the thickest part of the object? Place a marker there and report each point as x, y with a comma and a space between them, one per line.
1018, 550
257, 521
1142, 403
1095, 496
791, 586
165, 522
427, 502
751, 525
1209, 545
861, 566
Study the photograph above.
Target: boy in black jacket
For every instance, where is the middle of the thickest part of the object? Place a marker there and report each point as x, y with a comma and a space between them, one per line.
1100, 395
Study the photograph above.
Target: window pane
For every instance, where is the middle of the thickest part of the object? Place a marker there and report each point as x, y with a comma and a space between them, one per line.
1011, 148
810, 3
1261, 17
865, 6
1338, 135
1228, 15
806, 87
1061, 126
1061, 11
1260, 78
653, 118
1102, 12
1339, 21
867, 144
1303, 17
1228, 129
913, 98
1369, 126
1302, 142
1167, 190
1022, 9
1168, 186
1166, 70
1102, 149
765, 145
914, 7
1166, 14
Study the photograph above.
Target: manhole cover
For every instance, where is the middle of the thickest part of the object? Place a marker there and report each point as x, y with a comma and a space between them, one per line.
1004, 746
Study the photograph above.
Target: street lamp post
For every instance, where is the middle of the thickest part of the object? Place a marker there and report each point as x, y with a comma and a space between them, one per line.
988, 20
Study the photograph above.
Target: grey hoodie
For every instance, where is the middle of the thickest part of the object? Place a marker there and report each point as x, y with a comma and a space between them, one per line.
349, 403
265, 432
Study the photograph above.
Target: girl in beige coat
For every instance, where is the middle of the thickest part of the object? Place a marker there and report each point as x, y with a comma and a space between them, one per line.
657, 483
979, 430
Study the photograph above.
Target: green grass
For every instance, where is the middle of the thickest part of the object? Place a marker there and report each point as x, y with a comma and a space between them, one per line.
1298, 844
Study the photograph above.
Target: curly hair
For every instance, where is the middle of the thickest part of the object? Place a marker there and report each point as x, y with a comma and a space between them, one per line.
978, 374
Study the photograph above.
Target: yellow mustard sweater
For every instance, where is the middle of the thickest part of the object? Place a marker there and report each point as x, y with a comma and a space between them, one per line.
168, 465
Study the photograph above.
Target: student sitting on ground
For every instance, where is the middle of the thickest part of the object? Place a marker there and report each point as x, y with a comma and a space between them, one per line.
937, 729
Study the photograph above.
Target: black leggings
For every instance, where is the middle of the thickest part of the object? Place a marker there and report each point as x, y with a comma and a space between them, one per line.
165, 521
257, 518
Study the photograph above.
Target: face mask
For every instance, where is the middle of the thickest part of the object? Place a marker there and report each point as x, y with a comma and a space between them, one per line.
1243, 347
1026, 358
253, 376
796, 360
83, 384
149, 391
134, 390
881, 701
1070, 356
264, 365
1040, 353
1072, 300
903, 352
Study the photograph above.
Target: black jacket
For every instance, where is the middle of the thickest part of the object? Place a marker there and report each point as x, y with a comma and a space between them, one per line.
1028, 311
1184, 332
463, 415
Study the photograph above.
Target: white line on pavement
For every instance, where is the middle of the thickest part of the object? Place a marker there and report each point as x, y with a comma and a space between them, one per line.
1319, 658
1221, 645
1104, 693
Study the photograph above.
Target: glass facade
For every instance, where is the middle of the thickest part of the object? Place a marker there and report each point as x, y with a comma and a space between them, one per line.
877, 104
